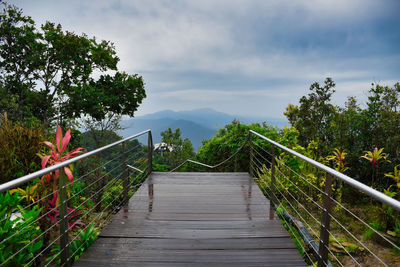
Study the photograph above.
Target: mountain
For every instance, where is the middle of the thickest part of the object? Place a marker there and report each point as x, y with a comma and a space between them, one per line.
189, 129
195, 124
207, 117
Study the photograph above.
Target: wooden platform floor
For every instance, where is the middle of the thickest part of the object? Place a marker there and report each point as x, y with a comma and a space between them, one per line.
195, 219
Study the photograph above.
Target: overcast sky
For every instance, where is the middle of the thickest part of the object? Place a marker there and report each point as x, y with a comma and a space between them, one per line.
240, 57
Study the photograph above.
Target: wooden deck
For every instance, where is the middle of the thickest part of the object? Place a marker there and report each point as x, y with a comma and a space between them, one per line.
195, 219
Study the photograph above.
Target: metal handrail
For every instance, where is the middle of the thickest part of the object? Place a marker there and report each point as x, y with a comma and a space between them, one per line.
134, 168
30, 177
352, 182
217, 165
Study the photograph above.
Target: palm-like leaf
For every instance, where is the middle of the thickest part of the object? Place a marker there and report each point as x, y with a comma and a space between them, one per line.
375, 156
395, 175
339, 157
58, 155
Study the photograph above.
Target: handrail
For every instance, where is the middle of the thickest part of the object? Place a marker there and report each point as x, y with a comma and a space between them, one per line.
352, 182
134, 168
217, 165
29, 177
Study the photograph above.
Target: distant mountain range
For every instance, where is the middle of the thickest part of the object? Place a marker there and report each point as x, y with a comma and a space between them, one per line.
197, 125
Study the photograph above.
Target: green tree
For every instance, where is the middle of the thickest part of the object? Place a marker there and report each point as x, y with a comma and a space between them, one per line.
18, 40
49, 73
182, 149
314, 115
227, 141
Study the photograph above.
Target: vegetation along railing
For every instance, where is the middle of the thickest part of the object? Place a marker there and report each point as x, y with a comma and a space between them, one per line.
58, 211
308, 198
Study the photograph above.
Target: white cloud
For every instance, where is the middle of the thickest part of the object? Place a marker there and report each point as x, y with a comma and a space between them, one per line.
253, 40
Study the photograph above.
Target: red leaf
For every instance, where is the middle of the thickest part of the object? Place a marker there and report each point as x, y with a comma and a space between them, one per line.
65, 141
50, 145
69, 174
44, 161
73, 153
76, 150
48, 177
58, 137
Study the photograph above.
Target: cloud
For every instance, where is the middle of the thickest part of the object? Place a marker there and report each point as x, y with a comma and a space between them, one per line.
191, 53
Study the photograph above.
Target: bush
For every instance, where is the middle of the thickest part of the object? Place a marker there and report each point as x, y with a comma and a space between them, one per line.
19, 145
20, 234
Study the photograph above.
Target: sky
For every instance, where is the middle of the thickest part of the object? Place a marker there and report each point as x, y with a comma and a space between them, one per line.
241, 57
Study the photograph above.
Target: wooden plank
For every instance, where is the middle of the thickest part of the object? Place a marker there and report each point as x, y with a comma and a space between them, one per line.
197, 244
195, 219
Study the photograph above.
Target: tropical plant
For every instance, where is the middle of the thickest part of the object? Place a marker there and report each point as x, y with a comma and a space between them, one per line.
395, 175
84, 240
53, 213
79, 244
30, 193
19, 145
19, 235
338, 157
57, 155
375, 157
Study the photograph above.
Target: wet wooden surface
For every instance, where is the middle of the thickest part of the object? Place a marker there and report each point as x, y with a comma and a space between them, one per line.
195, 219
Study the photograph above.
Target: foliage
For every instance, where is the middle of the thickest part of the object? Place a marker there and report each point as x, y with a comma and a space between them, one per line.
80, 243
181, 149
19, 145
49, 74
338, 157
314, 115
375, 157
53, 214
30, 193
161, 167
100, 130
113, 196
227, 141
17, 39
19, 234
395, 175
57, 155
351, 127
83, 240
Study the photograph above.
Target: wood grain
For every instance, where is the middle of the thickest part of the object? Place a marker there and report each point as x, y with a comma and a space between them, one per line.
195, 219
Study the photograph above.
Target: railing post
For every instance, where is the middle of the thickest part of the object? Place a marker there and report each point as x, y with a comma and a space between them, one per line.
251, 154
150, 155
236, 163
125, 177
325, 223
64, 239
273, 184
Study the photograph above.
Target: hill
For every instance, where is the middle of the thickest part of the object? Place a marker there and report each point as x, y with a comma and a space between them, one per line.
195, 132
195, 124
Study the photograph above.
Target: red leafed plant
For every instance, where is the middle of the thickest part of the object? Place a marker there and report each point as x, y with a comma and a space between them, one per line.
375, 157
53, 214
57, 155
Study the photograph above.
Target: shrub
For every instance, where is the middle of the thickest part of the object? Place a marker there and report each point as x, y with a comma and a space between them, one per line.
19, 145
20, 234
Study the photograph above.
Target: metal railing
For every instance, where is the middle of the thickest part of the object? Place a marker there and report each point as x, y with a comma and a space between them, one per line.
306, 200
52, 235
216, 165
314, 205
